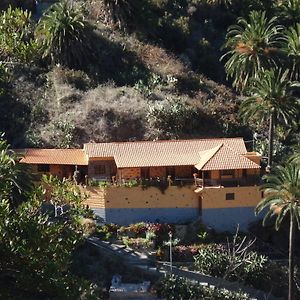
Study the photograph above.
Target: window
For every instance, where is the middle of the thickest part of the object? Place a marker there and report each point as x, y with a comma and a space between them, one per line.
229, 196
99, 170
43, 168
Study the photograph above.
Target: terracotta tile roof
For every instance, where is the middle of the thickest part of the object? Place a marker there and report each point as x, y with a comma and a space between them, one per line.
206, 155
55, 157
224, 158
173, 153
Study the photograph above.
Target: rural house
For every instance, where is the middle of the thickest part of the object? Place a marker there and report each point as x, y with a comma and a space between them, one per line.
177, 181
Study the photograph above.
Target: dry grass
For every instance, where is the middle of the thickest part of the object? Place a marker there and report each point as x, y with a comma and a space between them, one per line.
160, 61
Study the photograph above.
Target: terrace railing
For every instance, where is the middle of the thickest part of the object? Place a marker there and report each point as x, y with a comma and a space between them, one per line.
232, 182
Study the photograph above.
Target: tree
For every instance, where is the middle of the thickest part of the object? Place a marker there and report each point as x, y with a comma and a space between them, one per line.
253, 47
36, 248
15, 180
282, 198
291, 49
16, 35
37, 244
288, 11
271, 100
64, 35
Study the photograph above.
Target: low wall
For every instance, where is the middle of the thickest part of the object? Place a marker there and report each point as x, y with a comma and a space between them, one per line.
244, 196
124, 205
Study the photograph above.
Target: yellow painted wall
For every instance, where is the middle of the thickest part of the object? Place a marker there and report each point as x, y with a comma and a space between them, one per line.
244, 197
151, 197
173, 197
95, 197
136, 197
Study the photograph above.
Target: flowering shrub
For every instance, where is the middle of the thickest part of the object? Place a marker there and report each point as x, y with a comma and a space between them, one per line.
138, 229
161, 232
186, 253
159, 228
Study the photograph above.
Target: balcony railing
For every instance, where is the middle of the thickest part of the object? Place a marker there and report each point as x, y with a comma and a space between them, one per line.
180, 181
232, 182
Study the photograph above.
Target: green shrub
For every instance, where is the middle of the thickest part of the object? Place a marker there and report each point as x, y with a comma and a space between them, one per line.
219, 261
131, 183
137, 243
212, 260
62, 134
171, 118
107, 231
176, 288
103, 184
16, 35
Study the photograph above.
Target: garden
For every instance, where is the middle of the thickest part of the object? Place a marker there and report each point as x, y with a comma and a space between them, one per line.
232, 257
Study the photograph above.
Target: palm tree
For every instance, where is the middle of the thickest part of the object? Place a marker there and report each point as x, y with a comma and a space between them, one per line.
253, 46
271, 100
291, 49
282, 197
64, 35
288, 11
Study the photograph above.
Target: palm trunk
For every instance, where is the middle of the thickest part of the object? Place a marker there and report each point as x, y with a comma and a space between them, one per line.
291, 256
271, 141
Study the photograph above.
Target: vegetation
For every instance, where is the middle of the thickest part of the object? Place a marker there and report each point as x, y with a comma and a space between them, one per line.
16, 36
271, 100
172, 287
235, 261
119, 70
63, 35
37, 242
282, 194
253, 47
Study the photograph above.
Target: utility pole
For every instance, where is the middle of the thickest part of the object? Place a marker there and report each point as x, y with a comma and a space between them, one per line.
171, 258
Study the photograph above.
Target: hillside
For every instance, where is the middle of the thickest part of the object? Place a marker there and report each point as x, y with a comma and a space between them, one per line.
151, 70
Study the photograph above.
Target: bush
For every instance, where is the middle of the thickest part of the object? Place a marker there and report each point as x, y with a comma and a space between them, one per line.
172, 118
219, 261
138, 229
137, 243
182, 253
107, 231
16, 35
176, 288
